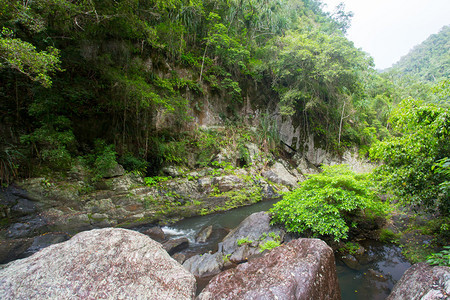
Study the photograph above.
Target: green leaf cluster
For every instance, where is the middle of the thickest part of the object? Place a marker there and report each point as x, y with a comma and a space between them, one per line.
328, 204
25, 58
415, 155
441, 258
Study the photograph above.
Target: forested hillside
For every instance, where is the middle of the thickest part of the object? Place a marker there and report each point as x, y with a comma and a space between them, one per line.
79, 76
429, 61
86, 85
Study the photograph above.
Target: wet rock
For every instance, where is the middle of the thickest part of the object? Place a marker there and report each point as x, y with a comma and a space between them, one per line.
360, 251
13, 249
301, 269
103, 263
155, 233
255, 228
179, 257
375, 275
423, 281
175, 245
205, 265
23, 207
351, 262
204, 234
116, 171
27, 227
43, 241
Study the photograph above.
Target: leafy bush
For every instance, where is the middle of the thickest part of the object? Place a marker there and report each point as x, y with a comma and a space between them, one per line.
414, 157
387, 236
105, 157
349, 247
133, 164
243, 241
101, 160
441, 258
328, 203
155, 180
9, 156
268, 245
54, 143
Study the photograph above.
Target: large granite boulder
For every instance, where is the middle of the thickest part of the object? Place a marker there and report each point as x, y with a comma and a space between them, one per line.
300, 269
423, 281
98, 264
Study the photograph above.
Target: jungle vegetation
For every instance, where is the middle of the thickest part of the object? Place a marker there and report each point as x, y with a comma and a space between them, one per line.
85, 81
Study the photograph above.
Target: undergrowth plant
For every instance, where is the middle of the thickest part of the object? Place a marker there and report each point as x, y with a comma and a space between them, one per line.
268, 245
441, 258
327, 204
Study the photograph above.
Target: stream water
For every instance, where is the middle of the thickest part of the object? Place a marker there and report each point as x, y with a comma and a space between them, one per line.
382, 266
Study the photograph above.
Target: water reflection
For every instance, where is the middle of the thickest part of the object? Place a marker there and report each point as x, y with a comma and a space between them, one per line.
383, 266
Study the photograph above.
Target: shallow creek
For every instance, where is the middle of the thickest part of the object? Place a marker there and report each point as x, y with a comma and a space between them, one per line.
381, 267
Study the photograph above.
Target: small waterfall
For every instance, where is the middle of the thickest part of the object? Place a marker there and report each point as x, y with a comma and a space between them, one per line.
174, 233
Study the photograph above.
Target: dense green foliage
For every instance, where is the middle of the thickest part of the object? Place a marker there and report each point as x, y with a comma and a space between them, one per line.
415, 155
328, 203
134, 73
102, 82
429, 61
441, 258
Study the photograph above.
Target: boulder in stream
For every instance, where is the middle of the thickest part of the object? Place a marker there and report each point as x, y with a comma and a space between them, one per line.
205, 265
204, 234
300, 269
257, 230
98, 264
175, 245
423, 281
155, 233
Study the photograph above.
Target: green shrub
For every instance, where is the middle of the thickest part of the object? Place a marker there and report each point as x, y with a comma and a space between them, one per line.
105, 158
133, 164
155, 180
387, 236
349, 247
328, 203
243, 241
441, 258
268, 245
101, 160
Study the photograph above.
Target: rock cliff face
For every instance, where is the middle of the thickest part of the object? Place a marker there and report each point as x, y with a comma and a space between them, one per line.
300, 269
98, 264
423, 281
